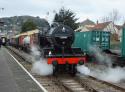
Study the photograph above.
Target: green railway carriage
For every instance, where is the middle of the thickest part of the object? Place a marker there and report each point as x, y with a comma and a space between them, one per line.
123, 43
98, 38
101, 39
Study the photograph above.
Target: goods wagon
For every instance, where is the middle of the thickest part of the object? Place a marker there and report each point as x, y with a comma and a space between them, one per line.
88, 39
25, 39
123, 43
33, 36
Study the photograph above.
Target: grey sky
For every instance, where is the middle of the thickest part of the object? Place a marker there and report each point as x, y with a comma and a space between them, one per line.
92, 9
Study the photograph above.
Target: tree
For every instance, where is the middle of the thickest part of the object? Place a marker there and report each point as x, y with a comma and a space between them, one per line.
28, 25
66, 17
113, 16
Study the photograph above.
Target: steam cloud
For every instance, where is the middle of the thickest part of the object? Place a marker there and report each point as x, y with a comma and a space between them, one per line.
42, 68
102, 58
109, 74
83, 69
40, 65
114, 75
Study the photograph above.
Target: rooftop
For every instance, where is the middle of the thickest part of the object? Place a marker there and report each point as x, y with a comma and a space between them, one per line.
87, 22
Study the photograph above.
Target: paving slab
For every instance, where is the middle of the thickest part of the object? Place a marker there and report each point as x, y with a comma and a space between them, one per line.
12, 77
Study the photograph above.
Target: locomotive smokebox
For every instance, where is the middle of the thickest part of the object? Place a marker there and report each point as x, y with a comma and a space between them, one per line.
61, 36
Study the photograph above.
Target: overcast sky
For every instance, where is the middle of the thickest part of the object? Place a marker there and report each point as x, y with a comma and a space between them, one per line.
92, 9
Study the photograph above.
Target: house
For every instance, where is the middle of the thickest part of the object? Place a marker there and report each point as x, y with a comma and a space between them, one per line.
105, 26
87, 22
119, 31
88, 25
84, 24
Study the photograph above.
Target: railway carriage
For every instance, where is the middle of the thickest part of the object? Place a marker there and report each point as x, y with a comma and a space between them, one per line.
4, 40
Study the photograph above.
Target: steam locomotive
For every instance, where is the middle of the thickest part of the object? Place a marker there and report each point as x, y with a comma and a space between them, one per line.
56, 44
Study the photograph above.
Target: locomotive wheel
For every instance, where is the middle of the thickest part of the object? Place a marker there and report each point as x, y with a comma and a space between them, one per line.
73, 69
55, 69
114, 65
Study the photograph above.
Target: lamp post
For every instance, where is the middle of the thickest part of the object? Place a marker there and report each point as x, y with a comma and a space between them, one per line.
1, 22
1, 9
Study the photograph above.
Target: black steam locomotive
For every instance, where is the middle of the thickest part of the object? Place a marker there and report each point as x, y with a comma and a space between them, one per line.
56, 47
56, 44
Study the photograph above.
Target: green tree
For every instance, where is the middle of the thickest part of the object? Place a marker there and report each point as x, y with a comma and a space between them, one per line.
28, 25
66, 17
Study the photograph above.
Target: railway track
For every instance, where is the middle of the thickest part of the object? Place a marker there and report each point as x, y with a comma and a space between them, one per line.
73, 85
48, 82
99, 85
66, 83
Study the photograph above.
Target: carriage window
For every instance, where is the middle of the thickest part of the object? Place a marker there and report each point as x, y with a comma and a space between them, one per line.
97, 38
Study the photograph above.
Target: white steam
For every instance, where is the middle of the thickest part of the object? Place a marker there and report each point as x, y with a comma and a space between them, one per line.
109, 74
102, 58
114, 75
35, 53
40, 65
82, 69
42, 68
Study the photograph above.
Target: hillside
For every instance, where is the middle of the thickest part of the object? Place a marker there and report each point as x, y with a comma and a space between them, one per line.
15, 23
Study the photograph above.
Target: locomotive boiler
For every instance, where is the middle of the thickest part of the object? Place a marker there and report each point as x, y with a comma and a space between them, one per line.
56, 44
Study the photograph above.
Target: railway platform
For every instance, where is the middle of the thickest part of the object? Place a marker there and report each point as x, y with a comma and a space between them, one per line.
12, 77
